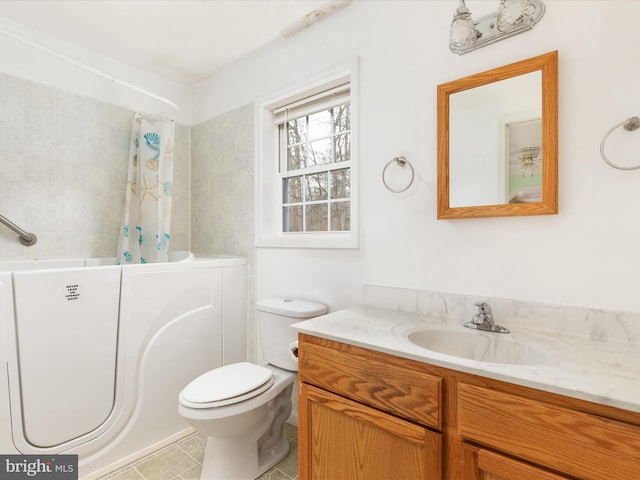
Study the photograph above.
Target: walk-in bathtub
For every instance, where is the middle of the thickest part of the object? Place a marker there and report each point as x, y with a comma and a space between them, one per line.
94, 355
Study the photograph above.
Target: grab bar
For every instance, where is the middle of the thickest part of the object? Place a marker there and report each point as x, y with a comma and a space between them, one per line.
26, 238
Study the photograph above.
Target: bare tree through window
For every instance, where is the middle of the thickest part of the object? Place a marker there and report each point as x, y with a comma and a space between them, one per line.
317, 181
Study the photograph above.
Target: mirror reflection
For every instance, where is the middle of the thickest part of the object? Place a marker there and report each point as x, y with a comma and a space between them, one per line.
495, 138
497, 141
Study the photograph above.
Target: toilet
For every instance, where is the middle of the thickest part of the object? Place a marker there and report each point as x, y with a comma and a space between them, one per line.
242, 407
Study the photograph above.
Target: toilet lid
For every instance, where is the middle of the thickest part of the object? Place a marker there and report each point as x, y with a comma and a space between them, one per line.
225, 385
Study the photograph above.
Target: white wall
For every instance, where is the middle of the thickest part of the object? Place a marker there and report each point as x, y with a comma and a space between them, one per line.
587, 255
25, 61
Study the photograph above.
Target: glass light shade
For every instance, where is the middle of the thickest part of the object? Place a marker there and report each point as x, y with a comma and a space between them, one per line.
513, 14
463, 30
528, 160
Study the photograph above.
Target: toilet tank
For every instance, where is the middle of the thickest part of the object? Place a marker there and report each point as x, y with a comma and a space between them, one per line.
275, 317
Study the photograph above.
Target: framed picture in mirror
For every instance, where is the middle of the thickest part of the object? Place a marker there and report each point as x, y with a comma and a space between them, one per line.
523, 149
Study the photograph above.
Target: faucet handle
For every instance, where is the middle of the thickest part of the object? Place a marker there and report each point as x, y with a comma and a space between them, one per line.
483, 320
483, 308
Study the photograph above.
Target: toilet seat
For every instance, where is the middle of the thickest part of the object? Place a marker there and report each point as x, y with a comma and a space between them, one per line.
227, 385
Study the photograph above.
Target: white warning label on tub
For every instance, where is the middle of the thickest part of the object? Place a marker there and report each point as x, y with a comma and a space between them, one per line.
72, 292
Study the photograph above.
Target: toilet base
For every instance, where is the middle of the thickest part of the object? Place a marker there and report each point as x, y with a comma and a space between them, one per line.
222, 462
274, 456
247, 457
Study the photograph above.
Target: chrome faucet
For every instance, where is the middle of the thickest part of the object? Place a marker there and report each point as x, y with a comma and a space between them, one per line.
483, 320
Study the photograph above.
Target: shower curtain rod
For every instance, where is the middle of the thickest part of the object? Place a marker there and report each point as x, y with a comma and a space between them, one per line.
113, 78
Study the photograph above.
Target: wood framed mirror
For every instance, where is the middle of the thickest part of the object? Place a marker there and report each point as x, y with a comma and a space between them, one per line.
498, 141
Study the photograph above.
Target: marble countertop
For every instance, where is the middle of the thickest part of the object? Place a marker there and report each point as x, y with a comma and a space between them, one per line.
603, 372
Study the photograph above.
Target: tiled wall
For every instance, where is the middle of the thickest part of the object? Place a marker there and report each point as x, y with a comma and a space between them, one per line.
222, 194
222, 184
63, 170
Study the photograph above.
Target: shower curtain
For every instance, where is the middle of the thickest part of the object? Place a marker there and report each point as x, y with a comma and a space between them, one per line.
146, 219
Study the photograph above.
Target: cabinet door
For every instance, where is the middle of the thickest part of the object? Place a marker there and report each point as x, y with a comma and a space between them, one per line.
483, 464
339, 439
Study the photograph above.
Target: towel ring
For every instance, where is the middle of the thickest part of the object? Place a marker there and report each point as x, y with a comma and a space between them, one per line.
629, 125
400, 161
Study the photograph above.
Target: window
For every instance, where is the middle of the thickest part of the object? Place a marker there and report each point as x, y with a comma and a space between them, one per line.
315, 160
306, 175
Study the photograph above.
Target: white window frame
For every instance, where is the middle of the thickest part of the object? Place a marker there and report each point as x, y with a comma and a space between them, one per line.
268, 174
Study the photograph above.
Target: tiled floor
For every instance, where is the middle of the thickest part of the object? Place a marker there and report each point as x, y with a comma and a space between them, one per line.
183, 461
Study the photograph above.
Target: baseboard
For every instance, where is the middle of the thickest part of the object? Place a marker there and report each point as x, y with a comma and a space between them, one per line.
140, 454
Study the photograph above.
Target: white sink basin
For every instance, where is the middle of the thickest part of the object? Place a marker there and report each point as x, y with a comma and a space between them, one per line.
476, 345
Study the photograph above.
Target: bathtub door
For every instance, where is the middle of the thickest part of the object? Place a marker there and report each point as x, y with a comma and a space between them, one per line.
67, 327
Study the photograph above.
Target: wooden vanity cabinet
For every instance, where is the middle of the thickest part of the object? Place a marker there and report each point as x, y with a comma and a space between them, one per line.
574, 442
349, 440
366, 415
482, 464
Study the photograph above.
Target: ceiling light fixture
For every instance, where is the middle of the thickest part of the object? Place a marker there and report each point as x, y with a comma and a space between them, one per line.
528, 160
511, 18
314, 17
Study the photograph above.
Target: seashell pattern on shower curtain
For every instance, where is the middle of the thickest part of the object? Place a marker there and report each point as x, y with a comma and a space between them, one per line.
146, 220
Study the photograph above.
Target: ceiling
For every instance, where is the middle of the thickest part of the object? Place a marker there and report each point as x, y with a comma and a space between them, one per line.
182, 40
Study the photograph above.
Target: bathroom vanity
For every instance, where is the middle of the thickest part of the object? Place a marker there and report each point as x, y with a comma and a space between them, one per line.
374, 405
